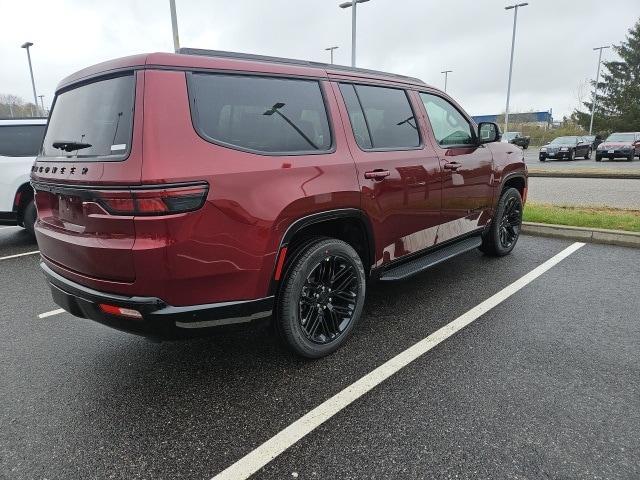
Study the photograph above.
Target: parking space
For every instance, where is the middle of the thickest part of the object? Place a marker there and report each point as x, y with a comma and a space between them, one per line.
545, 383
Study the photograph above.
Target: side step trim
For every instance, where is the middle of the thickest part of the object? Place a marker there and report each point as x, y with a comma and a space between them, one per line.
429, 260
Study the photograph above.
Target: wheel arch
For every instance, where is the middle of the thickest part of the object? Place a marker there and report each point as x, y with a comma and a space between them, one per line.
351, 225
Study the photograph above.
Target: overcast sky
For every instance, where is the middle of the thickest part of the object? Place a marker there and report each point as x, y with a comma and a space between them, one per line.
553, 58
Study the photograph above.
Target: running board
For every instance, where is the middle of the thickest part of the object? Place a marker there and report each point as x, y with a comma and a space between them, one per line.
429, 260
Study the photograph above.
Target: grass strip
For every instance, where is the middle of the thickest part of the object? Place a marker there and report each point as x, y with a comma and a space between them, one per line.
590, 217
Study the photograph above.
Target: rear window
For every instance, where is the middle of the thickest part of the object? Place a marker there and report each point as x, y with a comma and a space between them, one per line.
260, 114
96, 118
21, 140
381, 117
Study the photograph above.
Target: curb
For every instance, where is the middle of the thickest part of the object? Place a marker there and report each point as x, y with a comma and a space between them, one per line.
569, 174
592, 235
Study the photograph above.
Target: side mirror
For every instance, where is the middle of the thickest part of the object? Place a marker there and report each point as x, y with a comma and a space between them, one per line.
488, 132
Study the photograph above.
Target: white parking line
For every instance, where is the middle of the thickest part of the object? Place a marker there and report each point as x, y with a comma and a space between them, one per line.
19, 255
269, 450
9, 226
51, 313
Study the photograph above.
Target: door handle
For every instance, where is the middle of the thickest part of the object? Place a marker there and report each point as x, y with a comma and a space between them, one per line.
452, 166
377, 174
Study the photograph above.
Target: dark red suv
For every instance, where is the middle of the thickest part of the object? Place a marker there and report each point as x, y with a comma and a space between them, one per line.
178, 192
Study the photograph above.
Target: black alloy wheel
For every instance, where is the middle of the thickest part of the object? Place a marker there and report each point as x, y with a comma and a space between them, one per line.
321, 296
328, 299
510, 223
503, 232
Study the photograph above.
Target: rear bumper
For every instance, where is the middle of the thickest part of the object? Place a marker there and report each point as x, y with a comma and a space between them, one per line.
159, 320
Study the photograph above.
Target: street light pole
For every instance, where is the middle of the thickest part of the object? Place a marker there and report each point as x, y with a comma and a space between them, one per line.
331, 49
513, 44
26, 46
446, 76
41, 97
595, 90
174, 25
352, 4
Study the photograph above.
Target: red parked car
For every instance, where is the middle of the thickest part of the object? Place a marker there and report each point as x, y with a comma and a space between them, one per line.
178, 192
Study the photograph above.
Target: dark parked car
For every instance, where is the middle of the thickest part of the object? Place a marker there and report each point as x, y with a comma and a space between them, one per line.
567, 148
516, 138
594, 140
619, 145
266, 188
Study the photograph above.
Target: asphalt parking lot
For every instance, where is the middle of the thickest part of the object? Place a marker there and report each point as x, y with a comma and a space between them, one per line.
619, 164
615, 193
544, 385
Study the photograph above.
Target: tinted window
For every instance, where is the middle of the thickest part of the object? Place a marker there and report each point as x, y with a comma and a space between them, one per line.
98, 114
448, 124
270, 115
356, 116
21, 140
388, 116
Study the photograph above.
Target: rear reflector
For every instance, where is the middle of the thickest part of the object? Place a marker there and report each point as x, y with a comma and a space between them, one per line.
119, 311
153, 201
280, 264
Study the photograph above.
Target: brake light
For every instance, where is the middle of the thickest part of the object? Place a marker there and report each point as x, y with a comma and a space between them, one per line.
153, 201
119, 311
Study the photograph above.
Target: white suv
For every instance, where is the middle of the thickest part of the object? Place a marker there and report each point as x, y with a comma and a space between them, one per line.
20, 141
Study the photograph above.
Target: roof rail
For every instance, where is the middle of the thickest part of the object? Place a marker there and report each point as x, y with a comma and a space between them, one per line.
291, 61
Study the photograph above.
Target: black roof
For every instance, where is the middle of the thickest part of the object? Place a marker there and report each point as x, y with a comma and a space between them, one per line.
292, 61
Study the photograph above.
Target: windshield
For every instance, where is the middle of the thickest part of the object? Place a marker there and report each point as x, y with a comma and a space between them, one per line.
511, 135
93, 120
564, 140
21, 140
620, 137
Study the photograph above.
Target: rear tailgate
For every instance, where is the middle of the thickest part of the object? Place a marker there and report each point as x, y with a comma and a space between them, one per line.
92, 148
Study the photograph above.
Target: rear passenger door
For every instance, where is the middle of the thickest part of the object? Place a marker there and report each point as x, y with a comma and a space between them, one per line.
467, 188
399, 174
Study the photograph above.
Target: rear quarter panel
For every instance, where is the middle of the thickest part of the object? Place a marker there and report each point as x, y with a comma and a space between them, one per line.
15, 172
227, 250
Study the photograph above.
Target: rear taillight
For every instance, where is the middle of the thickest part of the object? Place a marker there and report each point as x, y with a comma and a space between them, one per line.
153, 201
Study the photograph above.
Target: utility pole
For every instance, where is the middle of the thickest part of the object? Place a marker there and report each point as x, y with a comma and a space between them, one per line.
26, 46
352, 4
41, 97
513, 44
446, 76
595, 90
331, 49
174, 25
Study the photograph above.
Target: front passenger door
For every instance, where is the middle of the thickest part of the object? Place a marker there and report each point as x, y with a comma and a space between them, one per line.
467, 190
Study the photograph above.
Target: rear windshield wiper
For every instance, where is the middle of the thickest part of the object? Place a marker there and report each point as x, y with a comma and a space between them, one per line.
69, 145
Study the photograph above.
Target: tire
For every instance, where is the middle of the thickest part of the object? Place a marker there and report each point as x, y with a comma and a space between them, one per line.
598, 159
29, 217
509, 210
572, 155
542, 159
630, 158
588, 155
320, 268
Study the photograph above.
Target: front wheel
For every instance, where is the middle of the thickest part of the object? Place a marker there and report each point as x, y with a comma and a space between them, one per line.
504, 231
630, 157
321, 298
572, 155
588, 155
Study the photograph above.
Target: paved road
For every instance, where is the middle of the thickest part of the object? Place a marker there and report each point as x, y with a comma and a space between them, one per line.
546, 385
585, 191
531, 159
